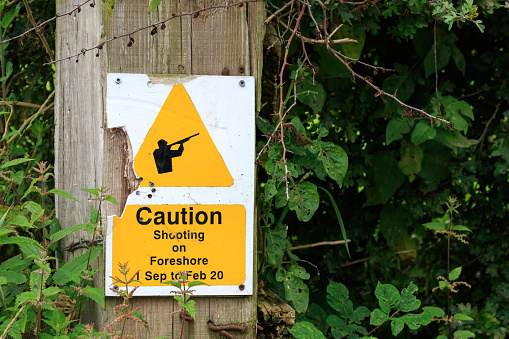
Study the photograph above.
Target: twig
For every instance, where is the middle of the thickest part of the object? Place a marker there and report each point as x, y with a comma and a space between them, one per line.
367, 258
323, 243
436, 67
485, 132
78, 8
19, 103
277, 12
39, 33
316, 41
151, 26
8, 328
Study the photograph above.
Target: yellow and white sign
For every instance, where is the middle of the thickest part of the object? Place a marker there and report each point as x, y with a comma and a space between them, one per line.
192, 141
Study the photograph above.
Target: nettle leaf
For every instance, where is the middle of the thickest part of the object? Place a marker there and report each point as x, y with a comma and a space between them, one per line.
312, 95
306, 330
153, 5
388, 296
276, 245
462, 317
73, 269
304, 200
63, 193
435, 225
397, 326
422, 132
338, 299
455, 274
65, 232
21, 220
48, 292
334, 159
443, 284
461, 228
96, 294
173, 283
378, 317
395, 129
408, 300
12, 277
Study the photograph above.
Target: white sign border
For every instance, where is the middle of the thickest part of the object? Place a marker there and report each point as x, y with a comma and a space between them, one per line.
133, 102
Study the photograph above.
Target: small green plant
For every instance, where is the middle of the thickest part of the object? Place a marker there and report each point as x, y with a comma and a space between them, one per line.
182, 296
122, 312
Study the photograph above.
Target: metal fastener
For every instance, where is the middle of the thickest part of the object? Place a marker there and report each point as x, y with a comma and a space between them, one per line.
150, 196
225, 71
242, 69
242, 287
242, 83
140, 219
153, 190
137, 192
151, 184
115, 287
118, 81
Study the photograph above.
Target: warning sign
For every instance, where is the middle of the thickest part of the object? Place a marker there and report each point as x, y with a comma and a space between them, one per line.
191, 142
207, 241
178, 150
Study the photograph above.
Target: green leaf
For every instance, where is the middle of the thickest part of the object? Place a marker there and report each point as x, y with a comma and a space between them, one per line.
397, 326
112, 200
338, 299
442, 337
297, 292
453, 139
462, 317
63, 193
153, 5
8, 72
306, 330
9, 16
409, 302
334, 159
443, 56
72, 270
18, 240
351, 49
435, 225
21, 220
93, 191
311, 94
10, 276
15, 162
378, 317
276, 245
422, 132
461, 228
65, 232
139, 315
360, 313
96, 294
173, 283
454, 274
304, 200
48, 292
395, 129
413, 321
435, 311
388, 296
196, 283
17, 177
387, 178
24, 297
411, 160
400, 83
190, 307
340, 219
459, 59
463, 334
443, 284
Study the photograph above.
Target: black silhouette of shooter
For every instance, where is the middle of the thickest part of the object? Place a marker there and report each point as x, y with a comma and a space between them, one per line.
164, 154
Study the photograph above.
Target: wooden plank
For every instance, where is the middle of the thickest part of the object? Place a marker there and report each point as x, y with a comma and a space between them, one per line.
89, 156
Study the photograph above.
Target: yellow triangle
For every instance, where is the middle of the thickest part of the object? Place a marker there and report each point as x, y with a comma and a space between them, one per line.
178, 150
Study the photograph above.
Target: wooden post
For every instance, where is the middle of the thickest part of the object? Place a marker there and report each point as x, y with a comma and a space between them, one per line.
87, 155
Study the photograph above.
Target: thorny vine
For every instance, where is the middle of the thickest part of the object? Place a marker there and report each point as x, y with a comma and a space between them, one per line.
289, 18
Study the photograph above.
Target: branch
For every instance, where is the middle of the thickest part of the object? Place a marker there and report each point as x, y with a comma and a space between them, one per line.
485, 132
315, 41
39, 33
277, 12
153, 28
19, 103
78, 8
323, 243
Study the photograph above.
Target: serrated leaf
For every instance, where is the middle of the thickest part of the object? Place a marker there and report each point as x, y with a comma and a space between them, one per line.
48, 292
15, 162
454, 274
462, 317
20, 220
18, 240
196, 283
190, 307
173, 283
306, 330
93, 191
24, 297
65, 232
72, 270
11, 276
112, 200
461, 228
378, 317
96, 294
63, 193
17, 177
435, 225
422, 132
153, 5
443, 284
397, 326
139, 315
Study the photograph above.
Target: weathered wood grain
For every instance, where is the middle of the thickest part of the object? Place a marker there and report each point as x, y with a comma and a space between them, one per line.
88, 155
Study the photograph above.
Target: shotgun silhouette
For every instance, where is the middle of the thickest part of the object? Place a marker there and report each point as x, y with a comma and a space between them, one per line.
164, 154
